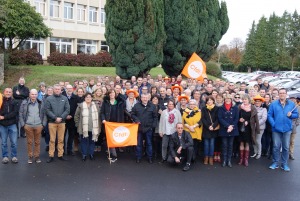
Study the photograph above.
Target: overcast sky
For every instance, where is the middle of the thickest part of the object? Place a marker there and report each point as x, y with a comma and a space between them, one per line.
242, 13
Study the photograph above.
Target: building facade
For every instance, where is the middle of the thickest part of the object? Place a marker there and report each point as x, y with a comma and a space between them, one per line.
78, 26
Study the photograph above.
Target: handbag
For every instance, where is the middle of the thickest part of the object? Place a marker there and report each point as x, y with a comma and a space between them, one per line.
217, 127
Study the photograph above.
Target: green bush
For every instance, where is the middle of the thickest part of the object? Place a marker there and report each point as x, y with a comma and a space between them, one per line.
213, 69
25, 57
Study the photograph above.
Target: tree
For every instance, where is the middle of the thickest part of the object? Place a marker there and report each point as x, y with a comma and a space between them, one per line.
236, 51
294, 38
20, 23
249, 58
192, 26
135, 34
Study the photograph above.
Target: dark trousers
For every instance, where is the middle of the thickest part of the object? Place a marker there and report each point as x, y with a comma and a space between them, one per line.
87, 145
227, 146
157, 143
185, 155
71, 129
139, 148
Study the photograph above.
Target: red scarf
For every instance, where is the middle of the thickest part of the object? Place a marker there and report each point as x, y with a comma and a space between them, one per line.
227, 106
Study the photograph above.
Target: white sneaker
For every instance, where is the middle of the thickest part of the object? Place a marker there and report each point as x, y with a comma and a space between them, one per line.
29, 160
253, 156
5, 160
14, 160
258, 156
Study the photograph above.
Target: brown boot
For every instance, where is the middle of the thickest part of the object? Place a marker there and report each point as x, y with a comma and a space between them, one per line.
211, 161
246, 157
241, 157
205, 160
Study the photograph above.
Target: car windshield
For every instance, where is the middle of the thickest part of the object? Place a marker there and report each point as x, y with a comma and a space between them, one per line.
290, 84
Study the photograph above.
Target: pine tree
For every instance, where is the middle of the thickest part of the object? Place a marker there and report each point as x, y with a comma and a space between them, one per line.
135, 34
249, 59
294, 38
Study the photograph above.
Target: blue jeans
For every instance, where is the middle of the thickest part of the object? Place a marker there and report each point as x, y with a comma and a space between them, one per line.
227, 145
139, 148
209, 147
281, 139
10, 132
87, 144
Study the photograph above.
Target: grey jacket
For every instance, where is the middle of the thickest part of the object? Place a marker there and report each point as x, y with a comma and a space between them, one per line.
23, 112
296, 121
262, 115
57, 106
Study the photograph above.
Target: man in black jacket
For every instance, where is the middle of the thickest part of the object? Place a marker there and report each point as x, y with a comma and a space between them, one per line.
145, 114
181, 147
8, 128
70, 124
20, 93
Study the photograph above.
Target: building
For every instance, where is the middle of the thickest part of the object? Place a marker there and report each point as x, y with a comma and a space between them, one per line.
78, 26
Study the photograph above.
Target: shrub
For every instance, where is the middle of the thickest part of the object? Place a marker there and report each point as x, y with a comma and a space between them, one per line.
25, 57
213, 69
101, 59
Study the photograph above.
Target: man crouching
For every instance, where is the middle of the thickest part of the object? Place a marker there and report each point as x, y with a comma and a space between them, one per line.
181, 147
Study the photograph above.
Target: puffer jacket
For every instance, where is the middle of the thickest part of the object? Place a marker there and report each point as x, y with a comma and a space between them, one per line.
9, 110
262, 117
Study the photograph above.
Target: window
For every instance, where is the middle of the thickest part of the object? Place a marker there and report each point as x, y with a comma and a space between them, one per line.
86, 46
93, 14
104, 46
37, 44
81, 13
40, 7
54, 9
62, 45
68, 11
102, 15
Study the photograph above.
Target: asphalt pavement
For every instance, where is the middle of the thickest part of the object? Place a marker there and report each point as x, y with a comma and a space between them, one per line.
74, 180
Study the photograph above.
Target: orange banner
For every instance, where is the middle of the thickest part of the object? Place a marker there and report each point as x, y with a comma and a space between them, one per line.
121, 134
195, 68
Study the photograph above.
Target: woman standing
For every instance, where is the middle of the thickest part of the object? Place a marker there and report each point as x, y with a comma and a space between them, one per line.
248, 127
228, 116
112, 110
262, 118
211, 127
182, 103
192, 124
167, 126
130, 102
87, 122
267, 144
98, 99
155, 136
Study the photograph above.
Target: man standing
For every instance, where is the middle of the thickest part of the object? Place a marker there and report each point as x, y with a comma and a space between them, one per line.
20, 93
8, 126
145, 114
181, 147
57, 109
32, 119
70, 123
280, 115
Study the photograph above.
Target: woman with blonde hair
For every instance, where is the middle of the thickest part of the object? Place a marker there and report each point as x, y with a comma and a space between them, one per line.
191, 120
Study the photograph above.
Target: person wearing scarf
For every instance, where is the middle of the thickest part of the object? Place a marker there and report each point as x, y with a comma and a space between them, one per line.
167, 126
249, 120
228, 116
88, 126
192, 124
211, 126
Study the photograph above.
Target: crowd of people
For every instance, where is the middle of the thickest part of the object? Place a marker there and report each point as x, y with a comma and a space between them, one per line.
180, 121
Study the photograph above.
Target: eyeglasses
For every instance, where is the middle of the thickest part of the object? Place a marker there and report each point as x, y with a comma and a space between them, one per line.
179, 127
236, 97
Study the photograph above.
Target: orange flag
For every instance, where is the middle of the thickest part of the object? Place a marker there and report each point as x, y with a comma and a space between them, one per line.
195, 68
121, 134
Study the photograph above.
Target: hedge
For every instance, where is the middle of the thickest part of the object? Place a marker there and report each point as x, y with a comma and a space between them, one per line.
25, 57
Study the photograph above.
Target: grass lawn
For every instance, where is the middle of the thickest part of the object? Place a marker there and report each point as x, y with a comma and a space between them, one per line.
53, 74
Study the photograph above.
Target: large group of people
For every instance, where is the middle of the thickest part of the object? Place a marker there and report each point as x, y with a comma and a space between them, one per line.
181, 121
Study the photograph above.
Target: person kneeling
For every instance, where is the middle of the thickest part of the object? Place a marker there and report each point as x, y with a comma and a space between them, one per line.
181, 147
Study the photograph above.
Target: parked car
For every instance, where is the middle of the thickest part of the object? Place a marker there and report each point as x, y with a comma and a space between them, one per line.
292, 85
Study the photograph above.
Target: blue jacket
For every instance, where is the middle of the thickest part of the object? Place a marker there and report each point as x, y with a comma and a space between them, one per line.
227, 118
277, 116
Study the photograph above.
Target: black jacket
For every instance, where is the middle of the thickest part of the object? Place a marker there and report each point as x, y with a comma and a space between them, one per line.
207, 122
106, 109
163, 102
23, 90
185, 142
73, 102
146, 115
10, 111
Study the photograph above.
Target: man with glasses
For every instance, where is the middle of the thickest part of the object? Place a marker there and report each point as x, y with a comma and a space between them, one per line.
237, 99
280, 115
181, 147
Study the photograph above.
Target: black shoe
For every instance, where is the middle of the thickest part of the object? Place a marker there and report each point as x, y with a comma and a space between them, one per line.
187, 167
138, 161
50, 159
162, 161
224, 164
229, 164
62, 158
83, 158
92, 157
23, 136
70, 153
150, 161
47, 148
